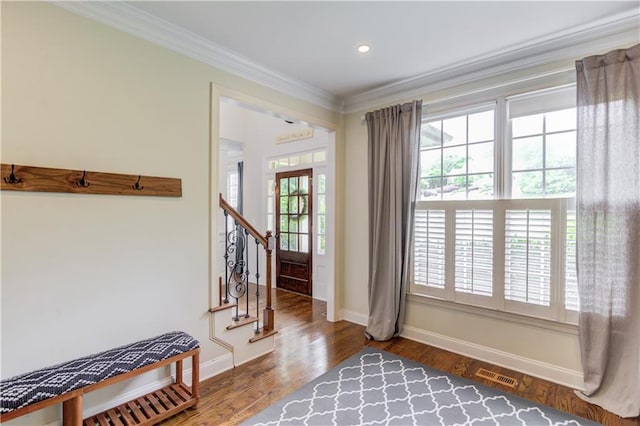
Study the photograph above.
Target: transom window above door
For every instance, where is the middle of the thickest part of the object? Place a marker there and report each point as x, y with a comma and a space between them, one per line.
301, 159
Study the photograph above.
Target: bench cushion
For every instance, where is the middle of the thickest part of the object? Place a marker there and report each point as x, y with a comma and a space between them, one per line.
25, 389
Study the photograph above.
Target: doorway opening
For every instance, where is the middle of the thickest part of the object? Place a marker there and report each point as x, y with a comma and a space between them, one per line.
271, 145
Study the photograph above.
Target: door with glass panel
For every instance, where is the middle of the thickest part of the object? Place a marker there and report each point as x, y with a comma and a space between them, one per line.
294, 213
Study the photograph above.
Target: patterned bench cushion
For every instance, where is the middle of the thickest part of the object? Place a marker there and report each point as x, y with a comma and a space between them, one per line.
25, 389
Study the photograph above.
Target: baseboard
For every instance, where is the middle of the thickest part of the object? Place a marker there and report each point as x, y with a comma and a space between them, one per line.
355, 317
208, 369
211, 368
256, 356
543, 370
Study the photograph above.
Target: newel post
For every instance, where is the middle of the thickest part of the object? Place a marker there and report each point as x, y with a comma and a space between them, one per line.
269, 320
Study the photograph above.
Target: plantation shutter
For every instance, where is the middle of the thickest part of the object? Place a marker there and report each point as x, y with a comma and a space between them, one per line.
474, 252
528, 256
571, 300
429, 253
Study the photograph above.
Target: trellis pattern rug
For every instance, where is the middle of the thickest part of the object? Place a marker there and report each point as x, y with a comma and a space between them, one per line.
375, 387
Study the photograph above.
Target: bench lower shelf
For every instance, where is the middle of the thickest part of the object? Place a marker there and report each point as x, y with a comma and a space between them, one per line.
149, 409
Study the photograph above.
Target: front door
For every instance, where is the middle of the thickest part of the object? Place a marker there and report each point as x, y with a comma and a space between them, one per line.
294, 213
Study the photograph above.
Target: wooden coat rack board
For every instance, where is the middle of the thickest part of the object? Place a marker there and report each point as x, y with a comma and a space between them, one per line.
43, 179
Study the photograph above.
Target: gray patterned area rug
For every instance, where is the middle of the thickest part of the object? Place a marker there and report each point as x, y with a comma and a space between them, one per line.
375, 387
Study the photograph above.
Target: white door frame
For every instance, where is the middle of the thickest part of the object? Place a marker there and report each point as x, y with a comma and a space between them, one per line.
218, 92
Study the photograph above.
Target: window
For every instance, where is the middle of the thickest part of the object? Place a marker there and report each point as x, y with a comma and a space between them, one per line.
495, 220
322, 213
294, 218
232, 194
457, 156
293, 160
543, 144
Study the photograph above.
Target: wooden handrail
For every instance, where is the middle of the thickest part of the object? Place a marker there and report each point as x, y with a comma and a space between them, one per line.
224, 205
266, 241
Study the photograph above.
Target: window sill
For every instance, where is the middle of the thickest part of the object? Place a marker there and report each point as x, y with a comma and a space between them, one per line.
530, 321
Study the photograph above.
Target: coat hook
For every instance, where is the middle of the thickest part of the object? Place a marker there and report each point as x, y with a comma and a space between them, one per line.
12, 177
83, 181
137, 186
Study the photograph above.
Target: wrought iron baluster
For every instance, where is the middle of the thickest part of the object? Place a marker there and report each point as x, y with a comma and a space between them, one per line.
236, 266
226, 256
246, 271
257, 286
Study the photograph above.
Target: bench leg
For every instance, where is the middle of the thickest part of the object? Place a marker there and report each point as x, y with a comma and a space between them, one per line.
179, 372
72, 411
195, 377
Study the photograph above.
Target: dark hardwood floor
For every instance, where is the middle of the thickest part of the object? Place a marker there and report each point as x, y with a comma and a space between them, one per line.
307, 346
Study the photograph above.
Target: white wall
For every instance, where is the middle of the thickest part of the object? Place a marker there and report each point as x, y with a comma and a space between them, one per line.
84, 273
356, 218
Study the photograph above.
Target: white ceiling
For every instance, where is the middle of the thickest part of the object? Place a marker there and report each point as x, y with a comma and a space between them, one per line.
315, 42
307, 49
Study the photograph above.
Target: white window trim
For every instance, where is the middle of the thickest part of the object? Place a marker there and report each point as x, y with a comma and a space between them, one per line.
463, 105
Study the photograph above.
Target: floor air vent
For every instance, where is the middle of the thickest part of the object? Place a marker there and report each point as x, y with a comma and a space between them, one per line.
497, 377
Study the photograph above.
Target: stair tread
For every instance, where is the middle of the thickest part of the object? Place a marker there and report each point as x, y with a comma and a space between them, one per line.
241, 322
262, 335
222, 307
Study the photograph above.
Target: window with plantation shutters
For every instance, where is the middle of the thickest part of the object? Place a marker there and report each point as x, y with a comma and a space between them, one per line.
495, 224
510, 255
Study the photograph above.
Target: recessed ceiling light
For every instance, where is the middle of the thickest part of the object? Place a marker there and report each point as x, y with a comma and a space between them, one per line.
364, 48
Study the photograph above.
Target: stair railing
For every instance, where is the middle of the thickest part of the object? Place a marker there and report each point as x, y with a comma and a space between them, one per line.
237, 272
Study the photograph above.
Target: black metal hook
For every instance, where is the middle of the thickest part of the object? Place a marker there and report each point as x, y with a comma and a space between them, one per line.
83, 181
12, 177
137, 186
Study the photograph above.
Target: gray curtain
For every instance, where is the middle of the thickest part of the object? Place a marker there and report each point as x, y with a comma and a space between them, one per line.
608, 198
394, 153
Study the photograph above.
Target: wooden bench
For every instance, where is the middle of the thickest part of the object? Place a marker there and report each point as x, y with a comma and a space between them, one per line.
66, 383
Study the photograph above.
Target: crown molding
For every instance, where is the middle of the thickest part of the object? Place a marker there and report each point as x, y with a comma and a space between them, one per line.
158, 31
569, 45
596, 37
